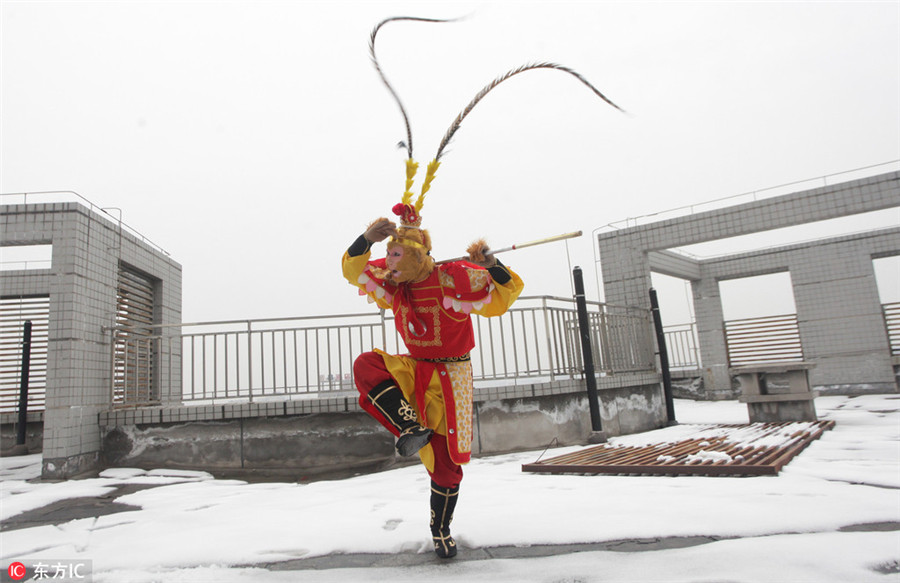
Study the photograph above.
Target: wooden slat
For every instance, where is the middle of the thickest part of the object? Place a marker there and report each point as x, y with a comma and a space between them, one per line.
737, 442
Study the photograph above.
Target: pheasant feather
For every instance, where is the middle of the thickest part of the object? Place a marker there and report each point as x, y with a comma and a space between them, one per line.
488, 88
408, 145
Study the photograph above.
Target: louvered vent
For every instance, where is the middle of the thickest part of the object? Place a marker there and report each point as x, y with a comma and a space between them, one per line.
135, 345
14, 312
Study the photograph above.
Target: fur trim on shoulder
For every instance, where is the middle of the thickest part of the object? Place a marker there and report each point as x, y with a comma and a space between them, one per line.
476, 250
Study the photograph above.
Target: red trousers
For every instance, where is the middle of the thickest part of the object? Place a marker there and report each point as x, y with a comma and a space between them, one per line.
368, 371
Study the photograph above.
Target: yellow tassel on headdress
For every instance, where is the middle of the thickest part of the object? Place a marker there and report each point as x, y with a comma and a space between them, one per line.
426, 186
411, 168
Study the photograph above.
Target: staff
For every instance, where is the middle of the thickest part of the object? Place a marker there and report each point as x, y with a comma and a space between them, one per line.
519, 246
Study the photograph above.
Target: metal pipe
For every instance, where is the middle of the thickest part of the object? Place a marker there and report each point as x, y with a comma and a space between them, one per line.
587, 356
23, 385
663, 357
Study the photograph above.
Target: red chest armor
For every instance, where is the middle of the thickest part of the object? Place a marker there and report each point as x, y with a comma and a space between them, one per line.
428, 329
424, 313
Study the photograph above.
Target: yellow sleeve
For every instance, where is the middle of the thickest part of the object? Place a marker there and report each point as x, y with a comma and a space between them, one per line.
502, 296
354, 269
486, 298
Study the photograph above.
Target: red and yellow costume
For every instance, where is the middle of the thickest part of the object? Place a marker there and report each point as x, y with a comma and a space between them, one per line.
424, 398
433, 316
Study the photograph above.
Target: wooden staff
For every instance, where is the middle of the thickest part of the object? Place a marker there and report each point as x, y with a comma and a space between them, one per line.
518, 246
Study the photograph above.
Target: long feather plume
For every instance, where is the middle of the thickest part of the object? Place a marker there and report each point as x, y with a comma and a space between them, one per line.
488, 88
408, 145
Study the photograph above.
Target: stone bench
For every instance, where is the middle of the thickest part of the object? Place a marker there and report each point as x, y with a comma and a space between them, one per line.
777, 392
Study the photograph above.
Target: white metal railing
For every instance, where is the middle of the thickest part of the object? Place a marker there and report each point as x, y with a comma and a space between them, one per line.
682, 346
250, 360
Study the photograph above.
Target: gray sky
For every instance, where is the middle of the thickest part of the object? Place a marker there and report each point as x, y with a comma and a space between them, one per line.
253, 140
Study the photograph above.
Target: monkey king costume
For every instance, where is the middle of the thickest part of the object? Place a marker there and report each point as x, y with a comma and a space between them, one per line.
424, 398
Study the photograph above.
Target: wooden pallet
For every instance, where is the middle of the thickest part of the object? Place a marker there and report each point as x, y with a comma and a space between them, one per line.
754, 449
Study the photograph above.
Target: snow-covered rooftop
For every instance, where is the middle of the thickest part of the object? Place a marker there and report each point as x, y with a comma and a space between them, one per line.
832, 514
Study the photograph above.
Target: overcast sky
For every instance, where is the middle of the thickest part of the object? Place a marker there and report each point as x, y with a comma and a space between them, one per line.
254, 141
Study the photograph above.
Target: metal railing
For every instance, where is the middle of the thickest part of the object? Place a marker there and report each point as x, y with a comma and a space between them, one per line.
248, 360
766, 339
683, 346
892, 324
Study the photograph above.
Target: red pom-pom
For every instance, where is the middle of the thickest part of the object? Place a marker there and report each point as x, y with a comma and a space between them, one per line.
406, 212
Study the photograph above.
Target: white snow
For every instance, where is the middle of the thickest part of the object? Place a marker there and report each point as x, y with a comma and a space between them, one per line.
708, 456
192, 527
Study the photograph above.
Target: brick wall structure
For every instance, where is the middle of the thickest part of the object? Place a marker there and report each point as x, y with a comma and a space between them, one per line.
838, 309
88, 250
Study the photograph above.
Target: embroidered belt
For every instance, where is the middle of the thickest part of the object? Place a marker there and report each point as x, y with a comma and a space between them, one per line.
464, 358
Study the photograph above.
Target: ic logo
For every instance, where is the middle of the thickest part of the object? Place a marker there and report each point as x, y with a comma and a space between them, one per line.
16, 571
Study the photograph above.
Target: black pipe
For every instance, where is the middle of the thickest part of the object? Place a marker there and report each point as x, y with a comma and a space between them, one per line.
23, 385
586, 352
663, 356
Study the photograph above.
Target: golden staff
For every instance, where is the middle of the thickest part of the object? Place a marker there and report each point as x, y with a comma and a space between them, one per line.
518, 246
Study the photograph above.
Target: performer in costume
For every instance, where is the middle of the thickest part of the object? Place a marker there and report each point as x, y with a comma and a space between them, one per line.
424, 398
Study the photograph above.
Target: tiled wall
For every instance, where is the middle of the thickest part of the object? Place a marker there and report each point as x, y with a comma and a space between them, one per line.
81, 283
838, 308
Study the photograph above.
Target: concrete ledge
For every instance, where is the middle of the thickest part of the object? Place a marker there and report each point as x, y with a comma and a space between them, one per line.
13, 418
786, 397
344, 401
34, 434
301, 438
772, 367
226, 411
298, 445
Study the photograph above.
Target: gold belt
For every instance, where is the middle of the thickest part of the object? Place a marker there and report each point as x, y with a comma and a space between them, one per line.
464, 358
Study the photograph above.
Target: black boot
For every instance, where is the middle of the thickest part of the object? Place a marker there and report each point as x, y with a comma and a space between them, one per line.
443, 501
389, 400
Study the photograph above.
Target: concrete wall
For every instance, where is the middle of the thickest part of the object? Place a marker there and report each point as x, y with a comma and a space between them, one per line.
88, 249
333, 436
839, 312
34, 432
841, 327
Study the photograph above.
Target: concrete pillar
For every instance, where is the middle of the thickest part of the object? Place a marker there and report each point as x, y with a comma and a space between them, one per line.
840, 317
711, 337
626, 272
82, 304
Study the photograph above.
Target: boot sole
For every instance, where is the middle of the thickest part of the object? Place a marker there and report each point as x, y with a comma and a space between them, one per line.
409, 444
